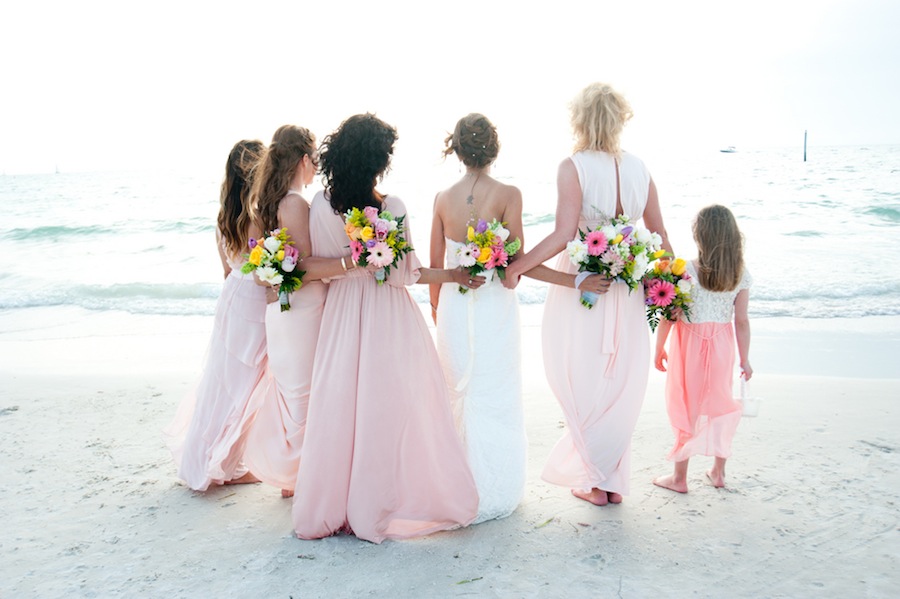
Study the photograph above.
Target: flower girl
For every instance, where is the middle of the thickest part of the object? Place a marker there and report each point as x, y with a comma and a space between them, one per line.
700, 361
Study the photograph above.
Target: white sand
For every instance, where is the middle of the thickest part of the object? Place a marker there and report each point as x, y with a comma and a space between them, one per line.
92, 507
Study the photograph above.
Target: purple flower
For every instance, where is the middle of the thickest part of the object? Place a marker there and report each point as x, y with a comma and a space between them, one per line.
252, 243
627, 231
371, 243
482, 226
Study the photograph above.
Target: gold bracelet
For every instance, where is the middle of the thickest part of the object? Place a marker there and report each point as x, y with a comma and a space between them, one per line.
343, 265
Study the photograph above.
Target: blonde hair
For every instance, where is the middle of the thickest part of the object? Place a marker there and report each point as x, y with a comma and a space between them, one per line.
598, 115
721, 249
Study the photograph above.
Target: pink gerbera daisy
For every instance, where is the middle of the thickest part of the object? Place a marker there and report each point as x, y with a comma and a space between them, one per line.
596, 243
661, 293
380, 255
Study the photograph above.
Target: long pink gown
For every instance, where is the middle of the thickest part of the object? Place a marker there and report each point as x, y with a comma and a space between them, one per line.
597, 361
209, 433
276, 437
381, 457
700, 374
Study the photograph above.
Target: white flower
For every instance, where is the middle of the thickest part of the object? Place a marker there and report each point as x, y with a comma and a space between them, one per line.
642, 235
272, 244
640, 265
288, 264
269, 275
467, 255
392, 225
577, 251
656, 240
685, 286
502, 232
609, 232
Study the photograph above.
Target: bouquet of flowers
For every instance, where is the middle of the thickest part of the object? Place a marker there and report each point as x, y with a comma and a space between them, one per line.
274, 259
668, 286
375, 238
487, 250
618, 250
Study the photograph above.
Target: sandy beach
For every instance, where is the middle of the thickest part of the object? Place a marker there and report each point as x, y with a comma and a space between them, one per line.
92, 507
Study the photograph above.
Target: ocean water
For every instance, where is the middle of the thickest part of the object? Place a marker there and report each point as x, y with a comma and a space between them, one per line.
822, 237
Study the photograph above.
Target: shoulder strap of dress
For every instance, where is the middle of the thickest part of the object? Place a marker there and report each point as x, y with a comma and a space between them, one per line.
619, 207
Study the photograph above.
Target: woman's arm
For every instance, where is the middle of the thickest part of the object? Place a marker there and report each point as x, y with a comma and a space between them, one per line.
225, 266
568, 210
742, 331
293, 213
653, 217
662, 332
436, 257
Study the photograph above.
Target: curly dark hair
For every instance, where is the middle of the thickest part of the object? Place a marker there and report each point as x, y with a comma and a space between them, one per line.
276, 169
352, 160
474, 140
234, 209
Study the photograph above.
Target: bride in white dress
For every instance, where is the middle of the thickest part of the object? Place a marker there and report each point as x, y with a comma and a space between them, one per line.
478, 332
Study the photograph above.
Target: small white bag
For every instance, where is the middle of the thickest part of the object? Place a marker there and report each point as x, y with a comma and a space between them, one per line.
749, 402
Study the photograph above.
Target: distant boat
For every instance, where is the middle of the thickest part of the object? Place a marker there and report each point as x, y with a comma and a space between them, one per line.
729, 150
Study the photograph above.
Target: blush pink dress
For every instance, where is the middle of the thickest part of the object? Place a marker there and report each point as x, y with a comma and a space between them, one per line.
276, 438
381, 457
208, 435
700, 373
597, 361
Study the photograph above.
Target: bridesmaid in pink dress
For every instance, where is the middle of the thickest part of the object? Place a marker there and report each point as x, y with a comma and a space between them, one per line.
209, 431
276, 438
702, 410
596, 361
381, 457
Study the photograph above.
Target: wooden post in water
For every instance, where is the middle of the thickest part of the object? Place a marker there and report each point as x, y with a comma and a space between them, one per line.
804, 145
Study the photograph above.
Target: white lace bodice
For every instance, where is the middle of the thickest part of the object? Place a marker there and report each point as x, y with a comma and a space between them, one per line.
714, 306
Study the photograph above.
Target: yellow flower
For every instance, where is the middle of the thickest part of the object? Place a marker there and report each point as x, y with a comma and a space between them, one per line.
255, 256
280, 255
366, 233
470, 233
678, 266
659, 254
618, 238
485, 255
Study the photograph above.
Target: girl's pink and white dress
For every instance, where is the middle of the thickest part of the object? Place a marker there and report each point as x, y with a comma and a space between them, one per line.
208, 435
597, 361
700, 373
381, 457
276, 438
480, 352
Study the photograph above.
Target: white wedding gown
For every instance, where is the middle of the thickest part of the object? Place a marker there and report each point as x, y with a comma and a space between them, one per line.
480, 352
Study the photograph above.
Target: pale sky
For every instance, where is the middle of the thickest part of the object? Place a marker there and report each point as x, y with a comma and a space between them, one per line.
93, 85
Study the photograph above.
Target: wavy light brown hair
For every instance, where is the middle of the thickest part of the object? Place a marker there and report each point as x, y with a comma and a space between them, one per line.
474, 141
234, 207
276, 169
721, 247
598, 114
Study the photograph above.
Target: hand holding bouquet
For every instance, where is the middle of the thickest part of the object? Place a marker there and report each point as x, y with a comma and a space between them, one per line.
376, 238
617, 250
487, 250
274, 259
668, 287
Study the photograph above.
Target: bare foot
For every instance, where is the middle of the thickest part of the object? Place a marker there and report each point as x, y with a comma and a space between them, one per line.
671, 483
716, 478
614, 497
287, 493
595, 496
247, 479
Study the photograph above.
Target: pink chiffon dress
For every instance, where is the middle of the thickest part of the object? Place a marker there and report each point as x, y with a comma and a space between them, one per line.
209, 433
597, 361
381, 457
276, 437
700, 374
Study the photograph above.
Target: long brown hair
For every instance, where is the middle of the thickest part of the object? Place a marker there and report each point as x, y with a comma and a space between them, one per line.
234, 208
721, 247
276, 170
